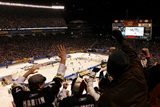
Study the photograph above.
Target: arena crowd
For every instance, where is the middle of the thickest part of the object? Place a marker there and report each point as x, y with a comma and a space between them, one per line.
18, 47
132, 70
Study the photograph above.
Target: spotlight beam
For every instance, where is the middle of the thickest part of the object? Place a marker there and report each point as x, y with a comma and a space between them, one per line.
30, 5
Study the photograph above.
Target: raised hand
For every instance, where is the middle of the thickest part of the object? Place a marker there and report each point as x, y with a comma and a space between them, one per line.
146, 51
62, 53
31, 71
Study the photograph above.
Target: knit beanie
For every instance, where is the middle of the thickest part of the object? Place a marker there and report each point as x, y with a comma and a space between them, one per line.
118, 63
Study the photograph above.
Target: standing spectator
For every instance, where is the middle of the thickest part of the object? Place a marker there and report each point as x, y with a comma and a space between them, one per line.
78, 99
128, 87
39, 95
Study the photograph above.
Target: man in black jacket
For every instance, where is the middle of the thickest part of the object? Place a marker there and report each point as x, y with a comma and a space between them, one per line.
128, 87
38, 94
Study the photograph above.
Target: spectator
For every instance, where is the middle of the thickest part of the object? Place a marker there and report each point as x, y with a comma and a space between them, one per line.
64, 92
93, 91
153, 78
147, 56
78, 99
96, 91
39, 94
146, 61
154, 86
128, 87
111, 50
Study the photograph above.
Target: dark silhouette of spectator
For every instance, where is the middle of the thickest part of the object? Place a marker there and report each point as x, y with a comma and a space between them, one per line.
128, 87
39, 94
154, 86
153, 78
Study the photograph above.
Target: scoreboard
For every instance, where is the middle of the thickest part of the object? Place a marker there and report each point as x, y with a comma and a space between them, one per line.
134, 29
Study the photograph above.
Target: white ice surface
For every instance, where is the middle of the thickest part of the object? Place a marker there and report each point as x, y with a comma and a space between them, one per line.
48, 72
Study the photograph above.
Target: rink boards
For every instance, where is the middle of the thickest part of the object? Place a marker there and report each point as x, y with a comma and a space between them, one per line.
77, 62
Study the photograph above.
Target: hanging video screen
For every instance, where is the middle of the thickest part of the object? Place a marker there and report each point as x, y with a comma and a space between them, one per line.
134, 29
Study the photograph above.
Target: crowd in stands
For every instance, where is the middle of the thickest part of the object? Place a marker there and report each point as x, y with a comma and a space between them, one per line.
19, 47
124, 83
12, 17
152, 45
127, 83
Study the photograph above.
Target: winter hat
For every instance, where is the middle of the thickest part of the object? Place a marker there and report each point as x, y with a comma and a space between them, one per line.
118, 63
78, 85
36, 80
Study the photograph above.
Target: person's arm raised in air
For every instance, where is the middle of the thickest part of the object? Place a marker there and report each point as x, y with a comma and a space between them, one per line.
62, 68
54, 87
133, 57
90, 88
21, 79
146, 52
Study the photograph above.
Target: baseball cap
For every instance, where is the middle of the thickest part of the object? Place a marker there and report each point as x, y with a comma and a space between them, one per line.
36, 80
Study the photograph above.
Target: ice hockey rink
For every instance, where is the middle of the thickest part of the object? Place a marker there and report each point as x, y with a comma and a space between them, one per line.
77, 62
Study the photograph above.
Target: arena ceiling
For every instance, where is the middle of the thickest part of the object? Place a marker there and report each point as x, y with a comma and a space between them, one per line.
102, 11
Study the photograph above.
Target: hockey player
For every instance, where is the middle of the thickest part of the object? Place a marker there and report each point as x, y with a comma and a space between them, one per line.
38, 94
